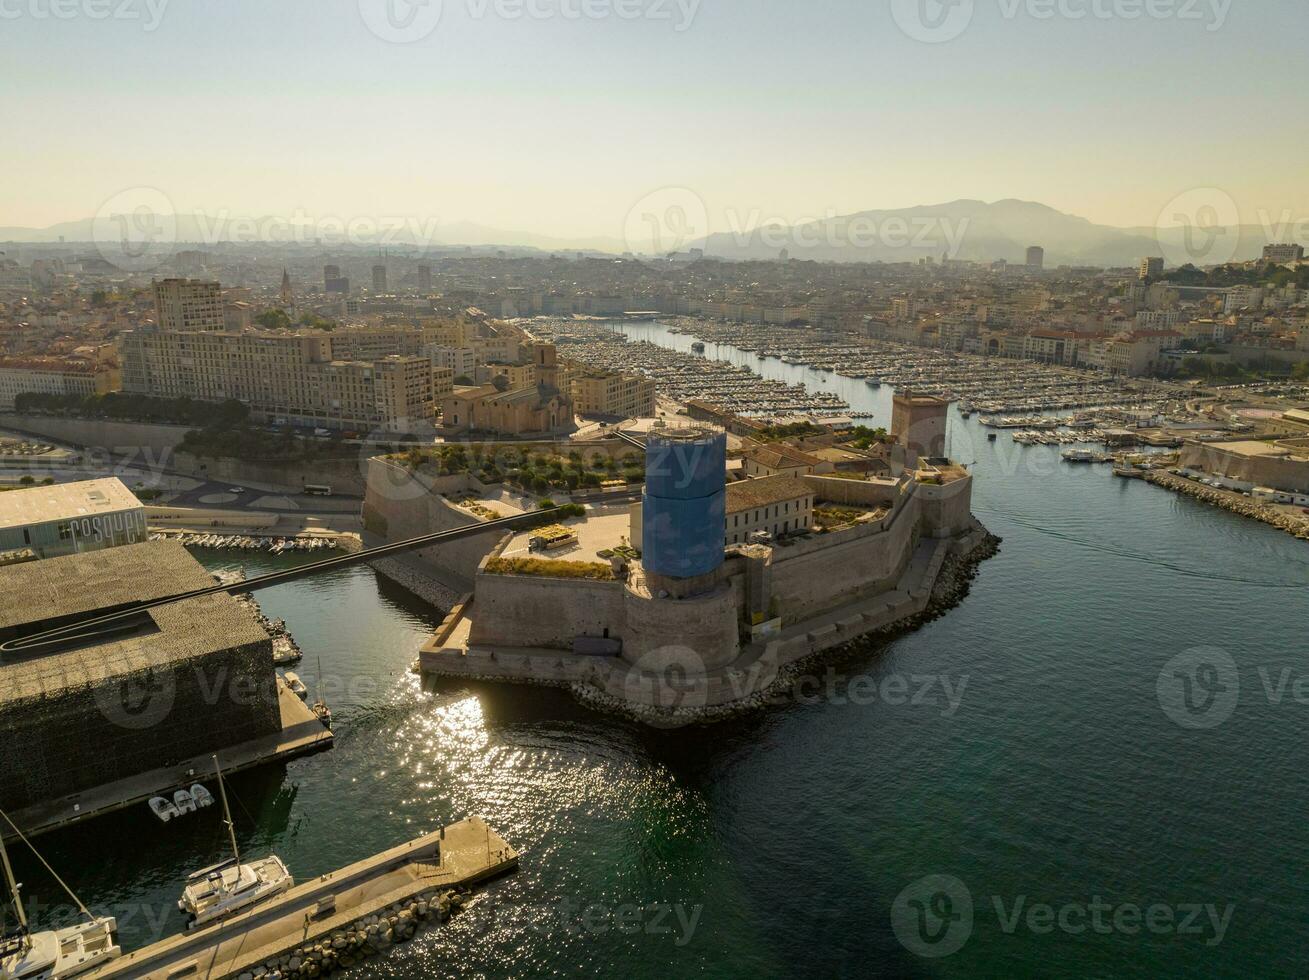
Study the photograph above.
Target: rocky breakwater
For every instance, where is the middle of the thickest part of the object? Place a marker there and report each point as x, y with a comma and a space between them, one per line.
366, 937
1234, 502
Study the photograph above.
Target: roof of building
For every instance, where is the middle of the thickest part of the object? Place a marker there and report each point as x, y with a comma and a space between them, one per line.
778, 455
56, 587
765, 491
43, 590
39, 505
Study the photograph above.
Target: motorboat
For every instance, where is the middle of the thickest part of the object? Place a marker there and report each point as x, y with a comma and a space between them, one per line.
202, 796
163, 808
295, 685
231, 886
184, 802
52, 954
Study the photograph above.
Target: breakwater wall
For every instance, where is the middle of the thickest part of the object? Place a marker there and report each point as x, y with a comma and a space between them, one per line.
1234, 502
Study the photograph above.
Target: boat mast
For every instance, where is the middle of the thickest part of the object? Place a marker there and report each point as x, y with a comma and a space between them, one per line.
13, 888
227, 814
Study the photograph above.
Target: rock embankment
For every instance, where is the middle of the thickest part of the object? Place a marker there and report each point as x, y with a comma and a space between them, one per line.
366, 937
1234, 502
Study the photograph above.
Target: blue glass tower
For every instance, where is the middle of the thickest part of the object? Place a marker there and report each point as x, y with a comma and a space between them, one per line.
684, 513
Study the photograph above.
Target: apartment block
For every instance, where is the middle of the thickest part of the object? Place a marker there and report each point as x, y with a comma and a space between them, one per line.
51, 376
281, 376
188, 304
617, 395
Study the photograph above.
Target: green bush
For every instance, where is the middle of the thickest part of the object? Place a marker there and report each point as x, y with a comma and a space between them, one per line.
547, 568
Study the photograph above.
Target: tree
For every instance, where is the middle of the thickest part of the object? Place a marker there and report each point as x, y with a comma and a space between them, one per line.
274, 319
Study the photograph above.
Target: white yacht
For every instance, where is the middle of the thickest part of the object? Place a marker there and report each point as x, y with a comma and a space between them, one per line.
55, 953
230, 887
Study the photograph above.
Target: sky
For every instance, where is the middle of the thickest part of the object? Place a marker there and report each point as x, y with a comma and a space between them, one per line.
568, 117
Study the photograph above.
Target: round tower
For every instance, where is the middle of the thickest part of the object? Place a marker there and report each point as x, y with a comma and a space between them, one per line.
684, 510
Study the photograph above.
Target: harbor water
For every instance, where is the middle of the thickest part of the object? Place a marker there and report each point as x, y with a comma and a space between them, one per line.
1022, 756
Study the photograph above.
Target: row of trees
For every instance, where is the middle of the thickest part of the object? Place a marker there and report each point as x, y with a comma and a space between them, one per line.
123, 407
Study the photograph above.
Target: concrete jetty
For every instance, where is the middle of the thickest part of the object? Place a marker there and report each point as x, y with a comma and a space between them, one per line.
332, 906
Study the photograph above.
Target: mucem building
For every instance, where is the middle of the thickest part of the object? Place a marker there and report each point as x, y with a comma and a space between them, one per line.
184, 680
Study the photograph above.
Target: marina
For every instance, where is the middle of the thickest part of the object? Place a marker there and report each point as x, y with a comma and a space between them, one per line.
272, 544
735, 367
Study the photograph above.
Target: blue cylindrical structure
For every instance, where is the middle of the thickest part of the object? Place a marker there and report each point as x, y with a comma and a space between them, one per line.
684, 512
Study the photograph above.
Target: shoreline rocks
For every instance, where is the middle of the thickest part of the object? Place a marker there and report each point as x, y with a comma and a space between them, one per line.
1228, 501
367, 936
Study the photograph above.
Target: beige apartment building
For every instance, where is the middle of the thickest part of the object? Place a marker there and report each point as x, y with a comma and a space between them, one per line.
518, 375
630, 396
282, 376
188, 304
50, 376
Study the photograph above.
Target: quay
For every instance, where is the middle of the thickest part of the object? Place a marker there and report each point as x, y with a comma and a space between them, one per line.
289, 931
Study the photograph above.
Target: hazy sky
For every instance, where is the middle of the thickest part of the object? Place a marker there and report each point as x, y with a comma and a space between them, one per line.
562, 118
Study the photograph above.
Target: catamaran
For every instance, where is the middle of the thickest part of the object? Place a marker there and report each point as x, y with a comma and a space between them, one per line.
230, 887
55, 953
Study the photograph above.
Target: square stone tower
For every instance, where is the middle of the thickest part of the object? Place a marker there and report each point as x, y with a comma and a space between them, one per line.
918, 424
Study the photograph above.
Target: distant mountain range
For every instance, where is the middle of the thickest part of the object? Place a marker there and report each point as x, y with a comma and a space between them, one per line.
969, 230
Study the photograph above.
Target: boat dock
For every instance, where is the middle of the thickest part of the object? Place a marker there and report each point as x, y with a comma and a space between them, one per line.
332, 907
